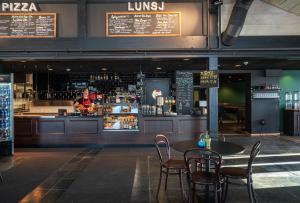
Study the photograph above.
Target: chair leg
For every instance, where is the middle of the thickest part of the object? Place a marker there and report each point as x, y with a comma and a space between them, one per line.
194, 193
219, 193
166, 181
190, 193
159, 183
225, 189
1, 177
249, 189
252, 190
216, 193
181, 184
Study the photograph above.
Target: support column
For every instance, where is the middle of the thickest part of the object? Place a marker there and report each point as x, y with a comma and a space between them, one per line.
213, 126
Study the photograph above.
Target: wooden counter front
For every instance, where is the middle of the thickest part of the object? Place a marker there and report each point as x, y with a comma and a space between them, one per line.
39, 130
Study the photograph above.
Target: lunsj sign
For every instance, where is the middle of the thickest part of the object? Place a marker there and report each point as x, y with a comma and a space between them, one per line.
19, 7
146, 6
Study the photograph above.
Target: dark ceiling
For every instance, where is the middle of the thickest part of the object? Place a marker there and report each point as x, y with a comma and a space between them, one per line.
150, 65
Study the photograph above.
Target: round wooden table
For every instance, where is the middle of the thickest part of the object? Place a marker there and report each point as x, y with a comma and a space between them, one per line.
223, 148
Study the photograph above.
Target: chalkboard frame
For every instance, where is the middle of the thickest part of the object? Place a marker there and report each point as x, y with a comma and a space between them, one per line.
144, 35
32, 36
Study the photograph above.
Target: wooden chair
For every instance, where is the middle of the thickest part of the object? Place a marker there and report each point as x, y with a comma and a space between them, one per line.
203, 174
168, 166
1, 178
241, 173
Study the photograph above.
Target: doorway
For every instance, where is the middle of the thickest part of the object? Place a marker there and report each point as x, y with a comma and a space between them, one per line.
233, 103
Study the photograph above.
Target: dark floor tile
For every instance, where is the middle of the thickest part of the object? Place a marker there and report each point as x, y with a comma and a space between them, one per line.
52, 196
63, 184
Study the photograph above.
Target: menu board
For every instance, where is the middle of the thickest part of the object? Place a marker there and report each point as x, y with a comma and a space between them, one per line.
209, 79
27, 25
184, 92
143, 24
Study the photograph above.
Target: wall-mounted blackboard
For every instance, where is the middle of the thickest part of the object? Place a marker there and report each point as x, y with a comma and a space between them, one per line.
184, 92
209, 79
143, 24
27, 25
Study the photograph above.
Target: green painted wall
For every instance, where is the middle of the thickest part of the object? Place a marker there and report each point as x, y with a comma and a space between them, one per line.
289, 82
233, 93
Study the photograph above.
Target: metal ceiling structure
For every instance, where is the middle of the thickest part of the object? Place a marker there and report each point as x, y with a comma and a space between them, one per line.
292, 6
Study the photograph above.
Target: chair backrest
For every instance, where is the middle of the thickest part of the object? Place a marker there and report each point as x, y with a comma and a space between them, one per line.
161, 141
254, 152
195, 157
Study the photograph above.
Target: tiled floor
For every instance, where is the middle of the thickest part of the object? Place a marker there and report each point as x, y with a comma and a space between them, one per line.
131, 174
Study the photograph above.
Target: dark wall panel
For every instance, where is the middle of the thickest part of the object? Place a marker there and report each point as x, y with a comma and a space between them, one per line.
66, 18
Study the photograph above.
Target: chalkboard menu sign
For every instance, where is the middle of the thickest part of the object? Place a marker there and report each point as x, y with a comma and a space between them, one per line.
143, 24
27, 25
209, 79
184, 92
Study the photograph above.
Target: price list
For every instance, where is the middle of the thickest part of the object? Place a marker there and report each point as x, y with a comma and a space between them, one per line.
184, 92
136, 24
27, 25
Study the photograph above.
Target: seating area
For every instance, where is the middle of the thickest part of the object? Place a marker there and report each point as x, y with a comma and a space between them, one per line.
131, 174
203, 167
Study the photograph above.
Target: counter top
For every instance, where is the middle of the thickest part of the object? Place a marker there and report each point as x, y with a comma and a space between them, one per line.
70, 116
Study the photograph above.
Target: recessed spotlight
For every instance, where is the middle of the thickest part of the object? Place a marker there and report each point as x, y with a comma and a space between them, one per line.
68, 69
158, 68
23, 61
104, 69
186, 59
237, 65
50, 69
245, 63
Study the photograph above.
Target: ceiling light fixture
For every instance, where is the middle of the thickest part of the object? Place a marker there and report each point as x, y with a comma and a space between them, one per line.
158, 68
238, 65
50, 69
68, 69
104, 69
186, 59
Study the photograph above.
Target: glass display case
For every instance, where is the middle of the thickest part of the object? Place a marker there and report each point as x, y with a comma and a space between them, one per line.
288, 100
6, 115
120, 117
296, 100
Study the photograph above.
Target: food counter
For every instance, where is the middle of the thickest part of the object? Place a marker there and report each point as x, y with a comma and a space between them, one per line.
70, 130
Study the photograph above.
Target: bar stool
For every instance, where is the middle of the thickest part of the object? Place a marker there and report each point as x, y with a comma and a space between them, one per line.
168, 166
241, 173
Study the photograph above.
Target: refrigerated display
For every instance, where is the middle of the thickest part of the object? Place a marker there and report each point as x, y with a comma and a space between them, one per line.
121, 117
6, 115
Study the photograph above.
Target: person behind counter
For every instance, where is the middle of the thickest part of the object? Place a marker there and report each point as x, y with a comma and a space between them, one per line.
85, 103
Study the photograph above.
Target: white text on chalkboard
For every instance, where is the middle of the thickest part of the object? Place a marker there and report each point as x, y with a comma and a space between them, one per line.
146, 6
18, 7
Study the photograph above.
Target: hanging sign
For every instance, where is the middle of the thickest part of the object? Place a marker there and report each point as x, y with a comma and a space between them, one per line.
143, 24
209, 79
27, 25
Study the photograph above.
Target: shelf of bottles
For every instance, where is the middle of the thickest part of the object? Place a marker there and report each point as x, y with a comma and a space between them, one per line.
120, 116
266, 92
5, 112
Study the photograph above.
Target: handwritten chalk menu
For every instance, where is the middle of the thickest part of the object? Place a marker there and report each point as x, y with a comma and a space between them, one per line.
27, 25
143, 24
209, 79
184, 92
